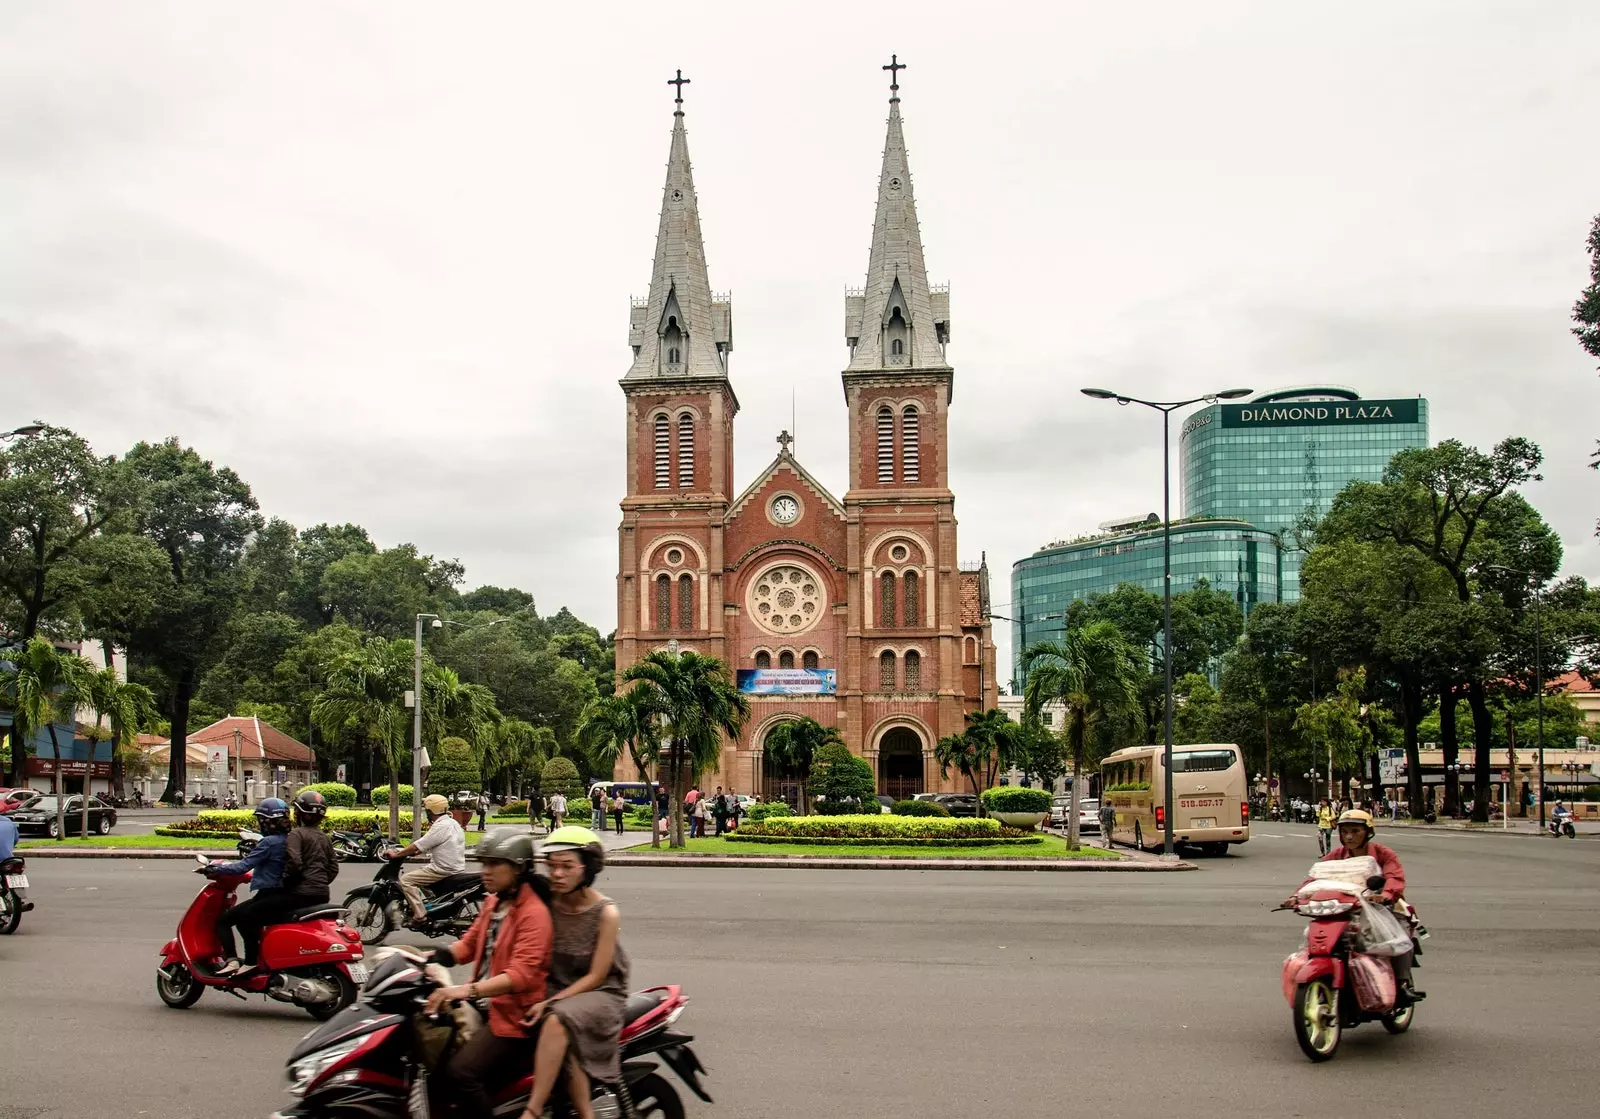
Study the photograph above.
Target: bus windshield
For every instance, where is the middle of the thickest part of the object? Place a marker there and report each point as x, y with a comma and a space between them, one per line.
1202, 761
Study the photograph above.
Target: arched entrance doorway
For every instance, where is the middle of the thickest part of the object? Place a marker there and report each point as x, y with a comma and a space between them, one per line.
900, 768
777, 782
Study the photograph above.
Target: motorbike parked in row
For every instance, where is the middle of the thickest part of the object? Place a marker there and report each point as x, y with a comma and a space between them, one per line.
13, 902
312, 960
359, 846
377, 1058
1342, 974
380, 907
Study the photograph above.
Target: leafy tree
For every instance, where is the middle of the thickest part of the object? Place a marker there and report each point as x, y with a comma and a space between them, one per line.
269, 569
1335, 728
125, 707
246, 671
200, 516
496, 600
699, 703
843, 782
450, 706
1094, 672
383, 592
454, 769
561, 776
1197, 710
1263, 681
521, 749
1039, 753
365, 699
988, 745
43, 688
321, 546
792, 748
1586, 311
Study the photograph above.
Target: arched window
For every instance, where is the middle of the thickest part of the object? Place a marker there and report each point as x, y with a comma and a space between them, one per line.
808, 659
886, 600
663, 602
897, 347
685, 602
908, 445
663, 450
913, 671
886, 671
786, 658
763, 659
885, 444
970, 650
685, 450
672, 341
911, 598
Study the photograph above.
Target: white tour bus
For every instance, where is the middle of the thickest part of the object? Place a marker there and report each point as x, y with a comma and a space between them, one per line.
1211, 808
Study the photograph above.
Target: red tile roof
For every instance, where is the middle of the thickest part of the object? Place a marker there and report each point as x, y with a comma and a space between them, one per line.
255, 738
1571, 682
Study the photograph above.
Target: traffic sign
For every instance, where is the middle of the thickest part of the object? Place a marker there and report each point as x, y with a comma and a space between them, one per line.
1272, 784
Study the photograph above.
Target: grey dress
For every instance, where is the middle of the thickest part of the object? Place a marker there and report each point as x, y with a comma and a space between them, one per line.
594, 1018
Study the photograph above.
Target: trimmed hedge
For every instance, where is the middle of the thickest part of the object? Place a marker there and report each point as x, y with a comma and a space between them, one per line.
225, 823
337, 795
766, 810
380, 796
743, 836
1013, 798
873, 827
511, 808
919, 808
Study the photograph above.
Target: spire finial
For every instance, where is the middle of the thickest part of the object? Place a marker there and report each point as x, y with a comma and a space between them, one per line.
680, 81
784, 439
894, 68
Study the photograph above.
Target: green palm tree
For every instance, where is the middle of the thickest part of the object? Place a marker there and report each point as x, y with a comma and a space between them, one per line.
792, 747
611, 724
990, 742
125, 707
365, 697
698, 704
1095, 674
451, 708
519, 746
43, 688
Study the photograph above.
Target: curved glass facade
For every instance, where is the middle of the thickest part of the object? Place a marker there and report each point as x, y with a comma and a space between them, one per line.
1235, 557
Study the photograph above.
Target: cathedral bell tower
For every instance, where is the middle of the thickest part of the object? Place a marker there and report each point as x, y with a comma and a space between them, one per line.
680, 409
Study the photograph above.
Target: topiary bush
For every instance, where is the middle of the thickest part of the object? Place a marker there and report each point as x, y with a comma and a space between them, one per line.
843, 782
561, 776
875, 827
512, 808
225, 823
919, 808
766, 810
1016, 839
337, 795
1012, 798
380, 795
454, 768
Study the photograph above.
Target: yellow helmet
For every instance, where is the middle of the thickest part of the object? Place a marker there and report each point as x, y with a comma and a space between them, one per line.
436, 804
1357, 816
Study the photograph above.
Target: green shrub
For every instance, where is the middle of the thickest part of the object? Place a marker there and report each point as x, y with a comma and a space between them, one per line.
843, 781
1013, 798
561, 776
337, 795
454, 768
871, 827
226, 822
512, 808
1129, 787
766, 810
1017, 839
380, 795
919, 808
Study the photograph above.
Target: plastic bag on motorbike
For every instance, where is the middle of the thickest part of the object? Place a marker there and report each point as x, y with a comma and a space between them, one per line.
1382, 934
1341, 874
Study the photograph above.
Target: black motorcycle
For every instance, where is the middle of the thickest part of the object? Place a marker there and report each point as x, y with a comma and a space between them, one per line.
376, 1057
1562, 826
13, 880
379, 908
358, 846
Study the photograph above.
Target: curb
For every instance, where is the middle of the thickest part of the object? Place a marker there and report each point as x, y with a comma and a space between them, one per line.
817, 862
1482, 829
121, 852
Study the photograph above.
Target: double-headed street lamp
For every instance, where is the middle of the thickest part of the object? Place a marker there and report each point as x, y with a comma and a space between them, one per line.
1166, 408
416, 712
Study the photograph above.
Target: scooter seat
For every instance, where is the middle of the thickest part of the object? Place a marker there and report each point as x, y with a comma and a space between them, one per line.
640, 1004
455, 882
322, 911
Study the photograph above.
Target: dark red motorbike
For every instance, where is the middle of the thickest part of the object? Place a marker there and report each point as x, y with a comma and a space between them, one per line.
313, 960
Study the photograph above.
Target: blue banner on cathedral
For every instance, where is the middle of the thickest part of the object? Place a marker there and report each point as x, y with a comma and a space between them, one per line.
787, 681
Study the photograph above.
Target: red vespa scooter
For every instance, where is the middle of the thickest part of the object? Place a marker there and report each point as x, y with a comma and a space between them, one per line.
1331, 985
314, 961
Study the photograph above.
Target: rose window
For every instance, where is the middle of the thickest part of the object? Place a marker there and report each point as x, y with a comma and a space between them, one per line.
786, 599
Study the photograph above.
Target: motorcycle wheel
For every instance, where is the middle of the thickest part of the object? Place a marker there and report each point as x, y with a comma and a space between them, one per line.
369, 919
177, 987
653, 1098
1316, 1019
10, 911
322, 1011
1400, 1021
466, 915
1138, 836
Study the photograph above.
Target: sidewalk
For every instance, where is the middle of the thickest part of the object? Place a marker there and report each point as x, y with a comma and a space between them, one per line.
1526, 829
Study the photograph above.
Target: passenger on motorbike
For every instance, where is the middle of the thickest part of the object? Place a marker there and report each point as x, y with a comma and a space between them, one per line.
509, 945
581, 1022
445, 842
268, 900
310, 865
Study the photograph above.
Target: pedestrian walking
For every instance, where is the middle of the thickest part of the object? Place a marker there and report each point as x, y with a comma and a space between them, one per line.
1325, 819
597, 809
1108, 821
558, 809
735, 810
483, 810
690, 798
535, 809
699, 829
663, 808
719, 810
619, 808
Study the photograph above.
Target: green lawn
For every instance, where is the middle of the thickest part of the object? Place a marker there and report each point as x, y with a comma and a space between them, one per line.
1053, 847
154, 842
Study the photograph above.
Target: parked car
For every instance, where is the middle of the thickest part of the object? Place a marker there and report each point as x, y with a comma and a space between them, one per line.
10, 799
926, 796
38, 816
1088, 815
1058, 811
888, 805
958, 804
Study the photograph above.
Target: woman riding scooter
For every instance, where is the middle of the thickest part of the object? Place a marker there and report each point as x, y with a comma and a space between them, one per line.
268, 900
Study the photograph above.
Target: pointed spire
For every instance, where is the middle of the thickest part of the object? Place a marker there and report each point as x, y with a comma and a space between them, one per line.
896, 321
680, 329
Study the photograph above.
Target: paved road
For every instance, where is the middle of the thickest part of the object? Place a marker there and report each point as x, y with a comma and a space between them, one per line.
924, 993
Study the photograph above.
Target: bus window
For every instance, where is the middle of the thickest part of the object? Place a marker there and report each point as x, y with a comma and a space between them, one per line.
1203, 761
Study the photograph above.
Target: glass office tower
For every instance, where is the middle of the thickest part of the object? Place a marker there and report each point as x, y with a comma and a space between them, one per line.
1280, 458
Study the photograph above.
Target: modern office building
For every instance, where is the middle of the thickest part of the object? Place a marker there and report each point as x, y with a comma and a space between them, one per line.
1280, 458
1234, 556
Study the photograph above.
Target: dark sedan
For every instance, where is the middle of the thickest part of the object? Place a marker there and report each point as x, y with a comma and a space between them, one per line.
958, 804
38, 816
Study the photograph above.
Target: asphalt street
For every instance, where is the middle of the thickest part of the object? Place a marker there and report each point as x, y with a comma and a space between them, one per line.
913, 993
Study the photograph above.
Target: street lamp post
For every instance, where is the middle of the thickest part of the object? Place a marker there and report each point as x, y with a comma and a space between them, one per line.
1538, 671
416, 712
1166, 408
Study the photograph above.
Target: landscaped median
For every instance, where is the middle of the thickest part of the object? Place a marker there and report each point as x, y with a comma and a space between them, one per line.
218, 831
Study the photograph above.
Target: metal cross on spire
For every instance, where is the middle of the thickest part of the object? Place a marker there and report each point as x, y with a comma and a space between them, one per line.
894, 68
784, 439
680, 81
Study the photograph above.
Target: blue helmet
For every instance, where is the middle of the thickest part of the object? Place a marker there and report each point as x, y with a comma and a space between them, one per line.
272, 809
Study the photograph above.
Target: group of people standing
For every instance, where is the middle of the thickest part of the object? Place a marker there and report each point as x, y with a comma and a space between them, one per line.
600, 804
723, 808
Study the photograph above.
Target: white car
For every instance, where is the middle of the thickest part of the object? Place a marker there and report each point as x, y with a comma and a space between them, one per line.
1058, 811
1089, 815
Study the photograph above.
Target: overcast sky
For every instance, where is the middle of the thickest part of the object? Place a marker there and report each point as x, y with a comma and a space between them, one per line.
377, 257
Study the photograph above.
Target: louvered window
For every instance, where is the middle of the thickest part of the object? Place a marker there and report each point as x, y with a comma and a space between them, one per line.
886, 600
685, 451
885, 445
808, 659
911, 603
763, 660
886, 671
913, 671
786, 659
685, 602
663, 453
908, 445
663, 603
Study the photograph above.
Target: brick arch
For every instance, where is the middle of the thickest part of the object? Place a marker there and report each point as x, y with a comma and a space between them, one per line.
888, 537
658, 544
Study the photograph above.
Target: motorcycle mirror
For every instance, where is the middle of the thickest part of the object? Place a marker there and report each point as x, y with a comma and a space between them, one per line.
1375, 883
203, 861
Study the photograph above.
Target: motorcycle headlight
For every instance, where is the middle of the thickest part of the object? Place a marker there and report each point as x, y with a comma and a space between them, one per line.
308, 1068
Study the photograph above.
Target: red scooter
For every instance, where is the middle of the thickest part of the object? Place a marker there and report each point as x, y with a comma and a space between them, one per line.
1330, 983
313, 960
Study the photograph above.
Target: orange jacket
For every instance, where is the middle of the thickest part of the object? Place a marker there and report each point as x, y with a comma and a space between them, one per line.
521, 950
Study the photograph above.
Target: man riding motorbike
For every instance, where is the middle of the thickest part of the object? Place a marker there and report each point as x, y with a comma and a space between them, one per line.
1355, 841
268, 899
445, 842
509, 947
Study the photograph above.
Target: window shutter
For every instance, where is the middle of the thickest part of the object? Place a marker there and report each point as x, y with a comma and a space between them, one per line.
885, 445
685, 451
908, 445
663, 453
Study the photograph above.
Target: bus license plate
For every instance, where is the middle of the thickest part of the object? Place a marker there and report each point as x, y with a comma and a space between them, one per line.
1204, 822
17, 881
